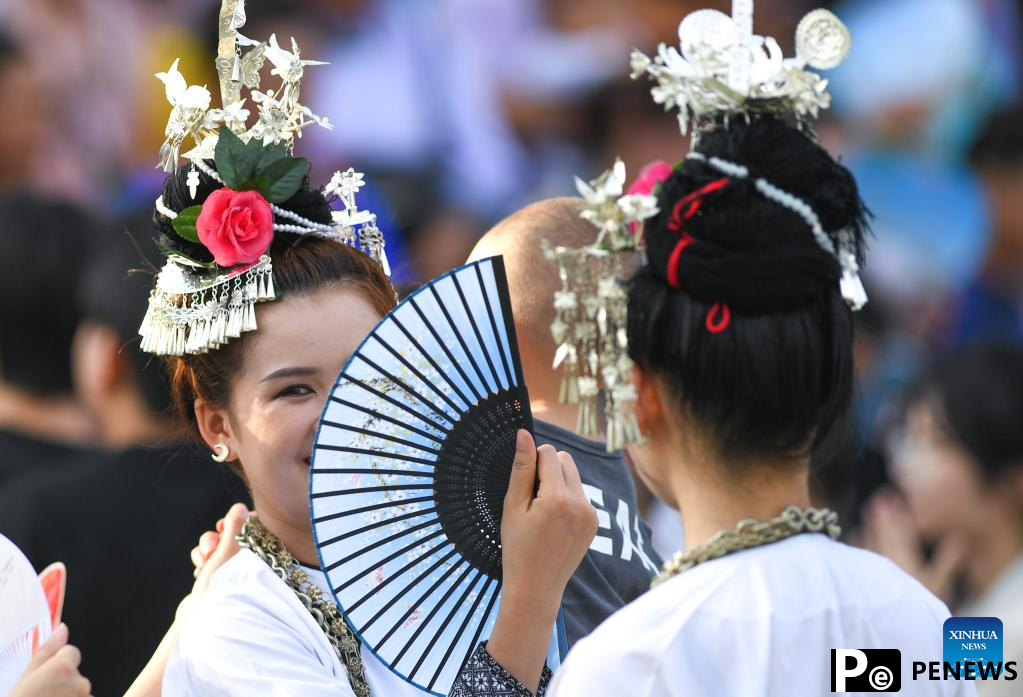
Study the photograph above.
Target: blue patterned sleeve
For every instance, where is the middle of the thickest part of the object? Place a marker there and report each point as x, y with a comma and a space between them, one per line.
482, 676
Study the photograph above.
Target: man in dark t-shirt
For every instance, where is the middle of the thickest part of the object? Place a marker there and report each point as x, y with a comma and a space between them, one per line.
621, 561
43, 242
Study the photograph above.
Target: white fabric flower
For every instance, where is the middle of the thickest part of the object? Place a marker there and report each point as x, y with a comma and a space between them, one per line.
345, 184
180, 93
287, 64
610, 211
234, 117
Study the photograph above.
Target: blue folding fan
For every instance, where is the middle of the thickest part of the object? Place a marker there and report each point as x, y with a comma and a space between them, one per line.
409, 473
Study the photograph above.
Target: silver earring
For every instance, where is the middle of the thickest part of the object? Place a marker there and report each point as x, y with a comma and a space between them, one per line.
220, 452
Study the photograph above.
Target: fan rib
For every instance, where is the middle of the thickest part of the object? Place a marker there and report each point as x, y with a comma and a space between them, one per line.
436, 608
461, 630
385, 473
415, 371
385, 541
370, 490
480, 627
415, 342
392, 556
385, 417
444, 347
479, 335
401, 383
381, 436
373, 526
387, 398
368, 411
424, 596
444, 624
381, 453
463, 524
368, 509
504, 298
397, 574
493, 326
461, 342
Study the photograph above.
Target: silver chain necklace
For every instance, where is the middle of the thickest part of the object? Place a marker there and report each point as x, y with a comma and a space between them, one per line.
752, 533
265, 545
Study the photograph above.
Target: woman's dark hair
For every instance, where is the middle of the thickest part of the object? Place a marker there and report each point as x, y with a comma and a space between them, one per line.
113, 293
778, 377
977, 397
302, 264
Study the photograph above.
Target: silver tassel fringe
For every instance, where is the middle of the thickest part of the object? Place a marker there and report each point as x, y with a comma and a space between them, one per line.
188, 319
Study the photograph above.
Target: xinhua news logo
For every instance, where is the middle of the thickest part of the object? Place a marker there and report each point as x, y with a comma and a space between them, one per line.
973, 640
866, 670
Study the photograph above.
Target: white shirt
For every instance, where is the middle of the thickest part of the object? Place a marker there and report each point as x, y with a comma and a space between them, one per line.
249, 634
1002, 600
762, 623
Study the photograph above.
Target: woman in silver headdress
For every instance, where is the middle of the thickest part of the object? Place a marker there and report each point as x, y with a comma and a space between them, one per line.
737, 336
265, 294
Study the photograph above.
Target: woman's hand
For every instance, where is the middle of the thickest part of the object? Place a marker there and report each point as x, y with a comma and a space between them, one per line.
213, 550
209, 541
53, 671
207, 558
890, 530
543, 539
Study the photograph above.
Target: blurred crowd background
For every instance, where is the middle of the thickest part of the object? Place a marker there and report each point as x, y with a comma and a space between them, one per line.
460, 112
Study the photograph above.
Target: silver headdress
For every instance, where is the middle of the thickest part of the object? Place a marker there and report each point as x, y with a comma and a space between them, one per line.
722, 68
199, 305
721, 71
590, 324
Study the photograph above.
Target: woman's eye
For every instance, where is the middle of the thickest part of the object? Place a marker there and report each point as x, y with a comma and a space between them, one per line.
294, 391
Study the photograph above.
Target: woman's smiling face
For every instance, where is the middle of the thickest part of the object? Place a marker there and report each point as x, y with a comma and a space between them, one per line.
290, 365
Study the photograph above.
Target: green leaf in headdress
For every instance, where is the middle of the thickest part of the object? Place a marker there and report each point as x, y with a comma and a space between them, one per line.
184, 224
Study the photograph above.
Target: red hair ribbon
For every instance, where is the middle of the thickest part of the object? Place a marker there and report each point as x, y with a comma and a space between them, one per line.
720, 315
676, 256
715, 324
683, 211
693, 200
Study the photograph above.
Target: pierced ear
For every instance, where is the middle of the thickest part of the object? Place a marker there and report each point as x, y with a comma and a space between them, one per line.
97, 360
648, 406
215, 427
1016, 481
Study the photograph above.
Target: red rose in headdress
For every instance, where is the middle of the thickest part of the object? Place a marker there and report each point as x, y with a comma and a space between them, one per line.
236, 226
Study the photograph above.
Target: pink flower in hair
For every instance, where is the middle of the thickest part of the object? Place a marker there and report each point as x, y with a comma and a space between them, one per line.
236, 226
649, 177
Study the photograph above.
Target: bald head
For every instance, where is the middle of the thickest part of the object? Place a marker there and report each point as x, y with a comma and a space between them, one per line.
532, 279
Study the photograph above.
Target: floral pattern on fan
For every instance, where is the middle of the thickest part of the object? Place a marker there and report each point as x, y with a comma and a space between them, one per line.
409, 472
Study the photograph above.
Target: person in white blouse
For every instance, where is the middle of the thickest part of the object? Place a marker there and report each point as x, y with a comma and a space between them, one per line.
959, 468
740, 328
257, 403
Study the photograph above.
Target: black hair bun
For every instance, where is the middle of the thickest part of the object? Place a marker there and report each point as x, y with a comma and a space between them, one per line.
747, 251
